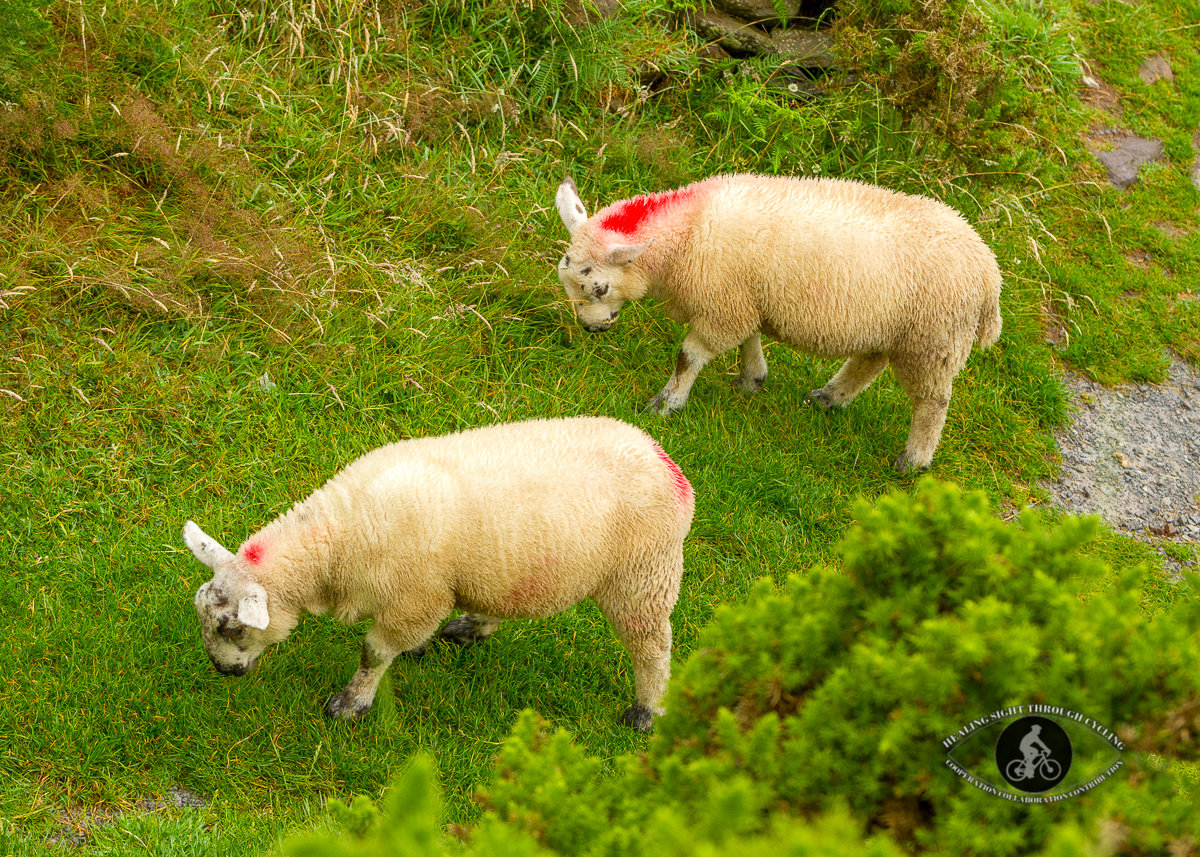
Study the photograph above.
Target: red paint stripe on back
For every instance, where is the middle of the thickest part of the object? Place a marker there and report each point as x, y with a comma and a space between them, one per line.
628, 217
683, 488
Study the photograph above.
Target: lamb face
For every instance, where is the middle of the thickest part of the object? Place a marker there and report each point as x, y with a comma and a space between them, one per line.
589, 287
596, 286
234, 622
232, 644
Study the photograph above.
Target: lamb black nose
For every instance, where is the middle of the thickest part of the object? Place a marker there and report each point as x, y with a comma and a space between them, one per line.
232, 669
604, 325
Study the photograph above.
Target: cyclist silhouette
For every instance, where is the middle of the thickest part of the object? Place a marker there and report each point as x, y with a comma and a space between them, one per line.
1037, 755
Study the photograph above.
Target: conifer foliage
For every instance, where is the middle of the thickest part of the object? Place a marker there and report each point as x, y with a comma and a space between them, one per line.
815, 719
843, 687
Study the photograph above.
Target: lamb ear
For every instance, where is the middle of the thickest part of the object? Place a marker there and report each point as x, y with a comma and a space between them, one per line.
252, 608
570, 206
623, 254
204, 547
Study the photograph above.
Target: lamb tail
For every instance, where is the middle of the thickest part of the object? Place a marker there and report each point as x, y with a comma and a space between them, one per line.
988, 329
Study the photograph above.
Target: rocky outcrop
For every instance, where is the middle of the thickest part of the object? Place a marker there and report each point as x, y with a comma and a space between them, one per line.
743, 28
739, 38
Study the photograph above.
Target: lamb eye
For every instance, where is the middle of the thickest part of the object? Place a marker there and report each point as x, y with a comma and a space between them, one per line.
585, 271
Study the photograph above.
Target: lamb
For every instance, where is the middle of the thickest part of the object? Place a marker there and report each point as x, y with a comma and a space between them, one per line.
836, 268
511, 520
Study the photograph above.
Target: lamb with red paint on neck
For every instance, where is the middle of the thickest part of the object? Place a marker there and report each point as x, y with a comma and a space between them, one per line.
505, 521
833, 267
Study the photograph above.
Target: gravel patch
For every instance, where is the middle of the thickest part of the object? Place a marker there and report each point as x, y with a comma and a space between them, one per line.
77, 824
1131, 455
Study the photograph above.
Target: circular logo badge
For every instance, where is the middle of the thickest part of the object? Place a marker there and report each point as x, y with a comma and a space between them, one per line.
1033, 754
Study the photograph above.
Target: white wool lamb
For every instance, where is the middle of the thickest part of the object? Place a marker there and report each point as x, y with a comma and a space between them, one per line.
513, 520
834, 267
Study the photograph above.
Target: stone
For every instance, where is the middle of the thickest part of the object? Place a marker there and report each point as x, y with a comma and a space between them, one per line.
734, 35
1156, 68
1126, 157
806, 48
760, 12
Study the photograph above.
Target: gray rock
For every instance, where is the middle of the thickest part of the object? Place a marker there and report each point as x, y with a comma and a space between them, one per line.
1156, 68
1126, 157
733, 34
757, 11
184, 798
806, 48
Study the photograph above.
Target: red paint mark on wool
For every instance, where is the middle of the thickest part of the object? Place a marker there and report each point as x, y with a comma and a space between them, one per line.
629, 216
254, 552
683, 488
531, 594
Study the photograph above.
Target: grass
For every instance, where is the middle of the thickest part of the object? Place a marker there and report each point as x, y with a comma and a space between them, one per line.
238, 258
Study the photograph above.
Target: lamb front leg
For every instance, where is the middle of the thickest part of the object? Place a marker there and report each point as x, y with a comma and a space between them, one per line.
693, 356
377, 656
856, 375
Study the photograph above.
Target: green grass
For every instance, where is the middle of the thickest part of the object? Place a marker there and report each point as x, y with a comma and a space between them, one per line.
358, 225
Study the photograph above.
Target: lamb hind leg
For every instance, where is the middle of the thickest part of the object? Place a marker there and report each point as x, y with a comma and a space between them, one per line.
469, 629
929, 416
647, 638
650, 652
928, 383
856, 375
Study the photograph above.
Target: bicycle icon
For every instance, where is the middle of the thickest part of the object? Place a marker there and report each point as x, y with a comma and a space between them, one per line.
1027, 769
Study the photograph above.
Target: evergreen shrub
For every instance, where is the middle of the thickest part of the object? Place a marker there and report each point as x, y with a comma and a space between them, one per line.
407, 822
814, 719
843, 687
934, 61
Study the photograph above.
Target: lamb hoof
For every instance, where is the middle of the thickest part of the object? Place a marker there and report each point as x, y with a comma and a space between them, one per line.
822, 398
660, 406
751, 385
339, 707
639, 717
903, 464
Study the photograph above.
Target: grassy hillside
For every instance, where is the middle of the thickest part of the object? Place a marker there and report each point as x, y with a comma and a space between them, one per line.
246, 242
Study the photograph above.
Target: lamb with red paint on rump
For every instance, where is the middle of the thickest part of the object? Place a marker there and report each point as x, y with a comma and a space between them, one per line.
516, 520
834, 267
